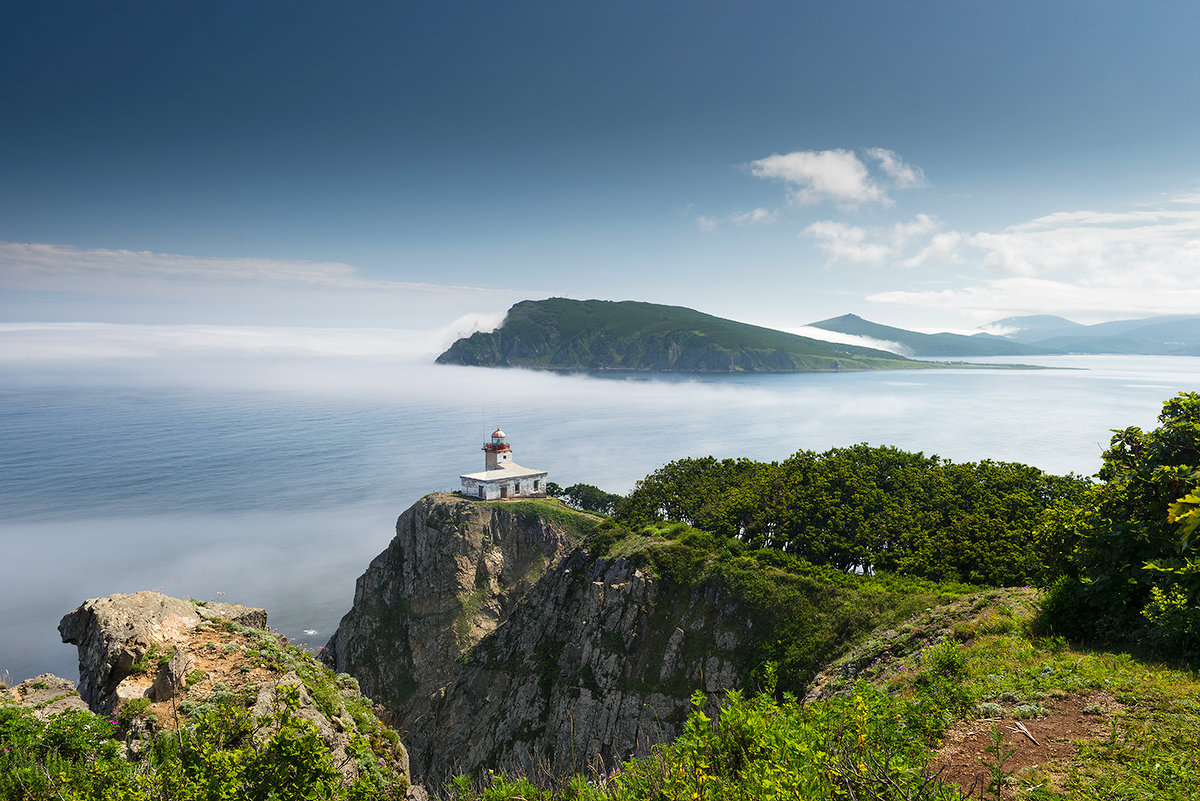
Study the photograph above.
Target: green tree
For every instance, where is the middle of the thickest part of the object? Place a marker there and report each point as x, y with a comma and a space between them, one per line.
590, 499
1134, 573
866, 508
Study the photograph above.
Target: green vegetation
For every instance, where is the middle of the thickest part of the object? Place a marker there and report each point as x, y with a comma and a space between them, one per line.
586, 497
803, 614
221, 749
563, 334
879, 739
552, 509
870, 509
1132, 573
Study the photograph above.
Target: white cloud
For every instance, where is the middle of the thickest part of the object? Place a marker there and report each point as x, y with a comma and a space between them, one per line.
755, 216
41, 266
814, 176
1093, 264
838, 176
941, 247
905, 175
1192, 197
70, 283
848, 339
42, 342
847, 243
876, 246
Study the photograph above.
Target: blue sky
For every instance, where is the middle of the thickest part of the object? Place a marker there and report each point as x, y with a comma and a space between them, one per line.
423, 166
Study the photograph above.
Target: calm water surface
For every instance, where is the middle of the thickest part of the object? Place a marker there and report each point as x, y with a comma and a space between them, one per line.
274, 483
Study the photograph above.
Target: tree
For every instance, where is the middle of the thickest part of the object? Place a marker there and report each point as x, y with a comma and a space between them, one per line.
866, 508
1135, 571
590, 499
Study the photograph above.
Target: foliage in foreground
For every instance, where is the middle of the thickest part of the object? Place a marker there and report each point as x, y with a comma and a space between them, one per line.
221, 748
1133, 575
875, 742
221, 754
866, 746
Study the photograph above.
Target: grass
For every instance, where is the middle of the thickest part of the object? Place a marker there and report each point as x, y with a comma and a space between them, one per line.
577, 523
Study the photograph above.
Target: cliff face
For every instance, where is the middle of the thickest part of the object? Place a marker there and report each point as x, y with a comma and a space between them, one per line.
453, 573
600, 660
496, 643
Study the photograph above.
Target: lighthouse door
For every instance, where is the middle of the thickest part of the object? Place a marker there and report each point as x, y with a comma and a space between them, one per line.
503, 491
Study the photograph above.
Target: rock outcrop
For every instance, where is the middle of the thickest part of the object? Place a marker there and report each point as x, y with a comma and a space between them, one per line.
153, 661
116, 633
497, 642
565, 334
46, 695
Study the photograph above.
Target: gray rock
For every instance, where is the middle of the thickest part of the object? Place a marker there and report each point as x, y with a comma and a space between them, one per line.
113, 633
171, 677
245, 615
454, 571
46, 695
332, 730
498, 644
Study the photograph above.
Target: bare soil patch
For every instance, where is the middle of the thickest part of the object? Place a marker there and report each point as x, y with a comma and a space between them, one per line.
963, 750
220, 660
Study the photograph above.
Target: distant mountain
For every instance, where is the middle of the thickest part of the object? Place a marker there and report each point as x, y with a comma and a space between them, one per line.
563, 334
930, 345
1170, 335
1033, 327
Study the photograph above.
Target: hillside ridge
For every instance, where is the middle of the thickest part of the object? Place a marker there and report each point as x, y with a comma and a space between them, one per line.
565, 334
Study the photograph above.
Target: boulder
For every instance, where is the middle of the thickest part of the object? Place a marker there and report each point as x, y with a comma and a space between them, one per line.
114, 633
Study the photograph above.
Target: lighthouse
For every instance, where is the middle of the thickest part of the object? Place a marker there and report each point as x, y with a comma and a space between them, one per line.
502, 478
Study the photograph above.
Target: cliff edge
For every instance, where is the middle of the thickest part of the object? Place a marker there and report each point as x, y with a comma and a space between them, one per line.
525, 635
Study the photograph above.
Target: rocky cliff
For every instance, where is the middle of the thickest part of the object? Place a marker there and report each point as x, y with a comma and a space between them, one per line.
454, 571
497, 642
599, 661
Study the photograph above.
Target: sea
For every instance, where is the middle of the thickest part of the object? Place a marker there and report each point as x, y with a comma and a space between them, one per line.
273, 480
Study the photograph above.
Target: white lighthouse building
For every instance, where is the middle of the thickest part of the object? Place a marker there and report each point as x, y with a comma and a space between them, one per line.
502, 477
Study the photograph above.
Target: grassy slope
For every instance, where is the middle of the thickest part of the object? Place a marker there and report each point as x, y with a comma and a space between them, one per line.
1149, 748
559, 333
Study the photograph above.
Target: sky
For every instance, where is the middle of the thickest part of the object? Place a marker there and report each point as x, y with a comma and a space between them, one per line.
208, 168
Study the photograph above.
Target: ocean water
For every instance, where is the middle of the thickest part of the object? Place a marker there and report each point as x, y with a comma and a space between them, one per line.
273, 481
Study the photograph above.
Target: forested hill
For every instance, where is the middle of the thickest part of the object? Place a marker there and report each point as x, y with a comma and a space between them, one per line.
563, 334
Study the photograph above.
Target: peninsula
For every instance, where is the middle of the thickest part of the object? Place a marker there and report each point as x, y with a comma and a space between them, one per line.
565, 334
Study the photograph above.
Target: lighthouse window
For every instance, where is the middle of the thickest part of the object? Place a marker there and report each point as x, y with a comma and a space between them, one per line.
535, 485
